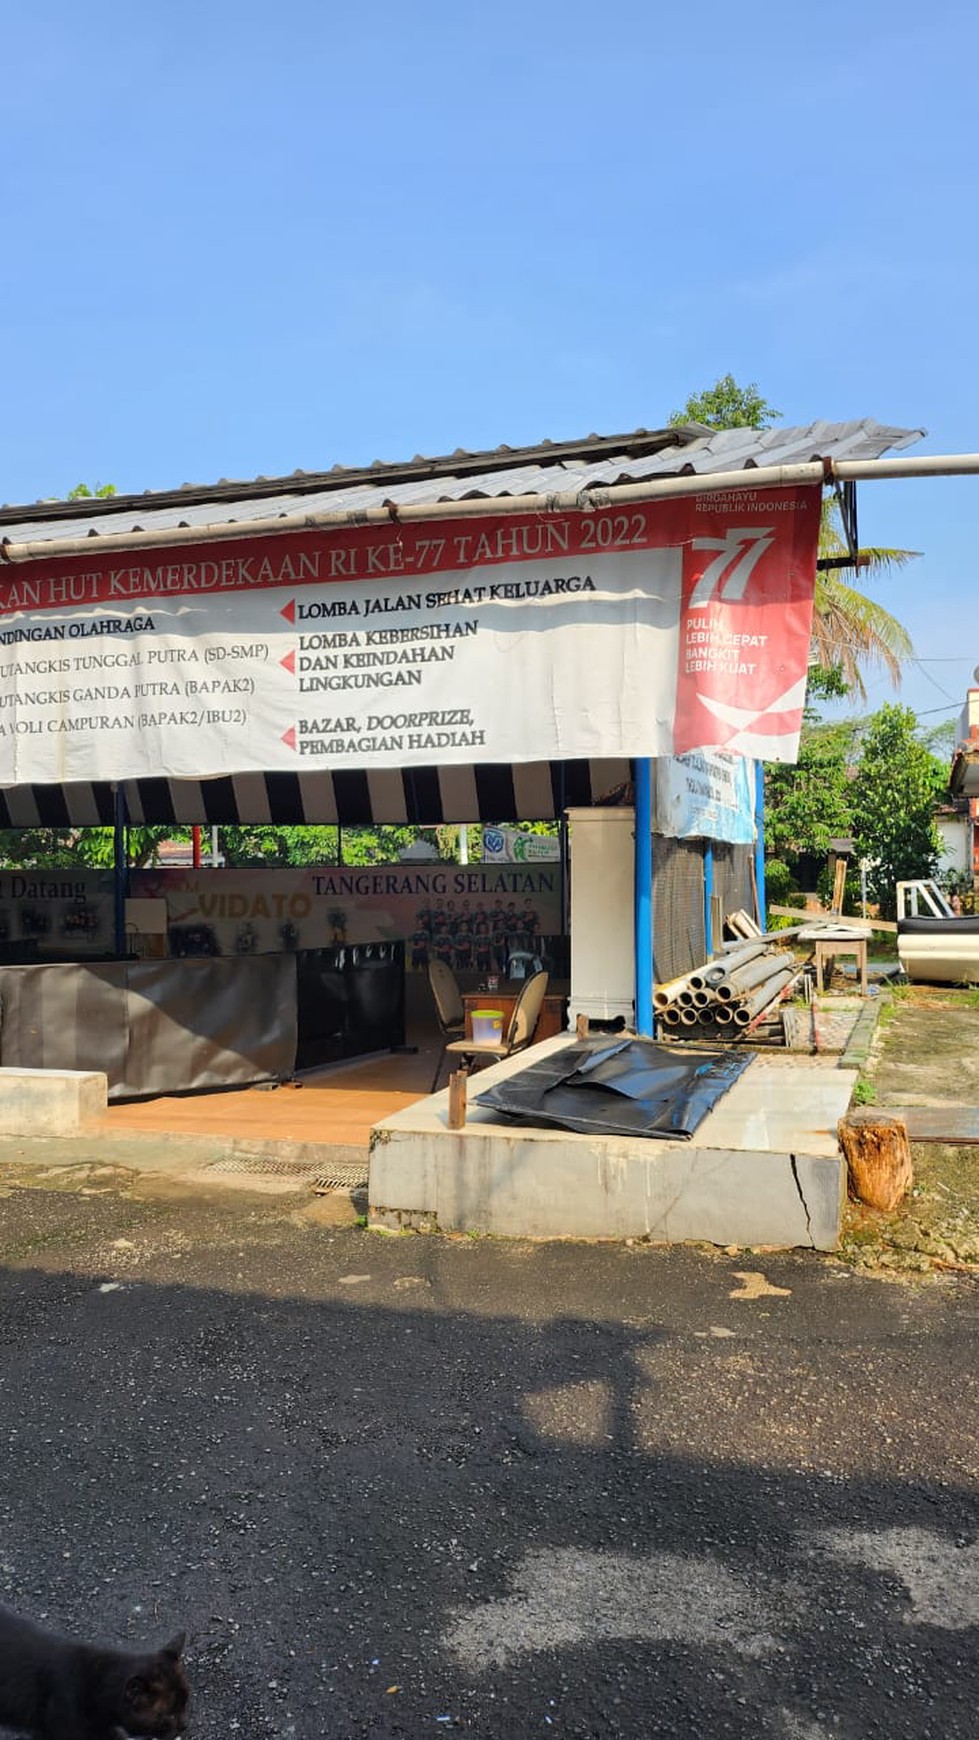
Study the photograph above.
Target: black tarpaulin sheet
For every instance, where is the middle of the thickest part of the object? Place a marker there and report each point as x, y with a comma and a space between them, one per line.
621, 1087
154, 1027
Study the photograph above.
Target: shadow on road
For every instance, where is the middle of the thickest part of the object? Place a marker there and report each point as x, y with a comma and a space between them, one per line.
403, 1517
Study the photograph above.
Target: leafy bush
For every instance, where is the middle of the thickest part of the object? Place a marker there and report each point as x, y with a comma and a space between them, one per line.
779, 881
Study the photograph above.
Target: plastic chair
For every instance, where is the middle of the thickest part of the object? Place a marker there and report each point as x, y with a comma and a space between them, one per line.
449, 1008
520, 1031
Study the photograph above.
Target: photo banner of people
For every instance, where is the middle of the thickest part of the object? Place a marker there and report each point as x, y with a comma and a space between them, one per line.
484, 917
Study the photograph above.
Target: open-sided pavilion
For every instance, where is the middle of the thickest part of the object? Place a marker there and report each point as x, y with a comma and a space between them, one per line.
569, 614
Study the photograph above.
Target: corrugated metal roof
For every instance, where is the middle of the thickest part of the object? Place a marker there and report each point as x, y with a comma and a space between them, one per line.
548, 468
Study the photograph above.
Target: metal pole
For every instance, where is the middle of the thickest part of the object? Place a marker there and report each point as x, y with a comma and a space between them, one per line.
760, 844
564, 847
708, 897
463, 844
195, 847
120, 870
644, 897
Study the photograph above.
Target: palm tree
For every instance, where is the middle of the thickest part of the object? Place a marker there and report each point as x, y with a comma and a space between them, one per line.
849, 630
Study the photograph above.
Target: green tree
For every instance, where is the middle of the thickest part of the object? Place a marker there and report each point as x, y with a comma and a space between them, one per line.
849, 630
726, 405
81, 492
896, 785
242, 847
809, 803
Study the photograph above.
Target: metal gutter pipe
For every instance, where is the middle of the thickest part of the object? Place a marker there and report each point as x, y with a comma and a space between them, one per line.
821, 471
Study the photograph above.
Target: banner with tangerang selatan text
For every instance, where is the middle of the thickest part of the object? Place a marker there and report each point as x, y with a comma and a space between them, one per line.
656, 629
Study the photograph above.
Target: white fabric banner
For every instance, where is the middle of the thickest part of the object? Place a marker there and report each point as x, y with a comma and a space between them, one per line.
672, 626
707, 795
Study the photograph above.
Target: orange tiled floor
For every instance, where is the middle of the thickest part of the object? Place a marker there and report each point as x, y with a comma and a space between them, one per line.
338, 1104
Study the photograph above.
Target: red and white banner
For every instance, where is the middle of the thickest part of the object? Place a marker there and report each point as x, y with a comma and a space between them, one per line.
663, 627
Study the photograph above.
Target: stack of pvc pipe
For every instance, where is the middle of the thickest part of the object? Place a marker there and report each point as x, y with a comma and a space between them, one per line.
727, 995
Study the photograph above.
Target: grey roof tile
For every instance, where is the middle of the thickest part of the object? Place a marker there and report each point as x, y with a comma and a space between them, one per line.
546, 468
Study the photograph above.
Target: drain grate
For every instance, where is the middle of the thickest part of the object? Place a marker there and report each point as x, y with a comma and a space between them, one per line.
344, 1175
263, 1166
353, 1177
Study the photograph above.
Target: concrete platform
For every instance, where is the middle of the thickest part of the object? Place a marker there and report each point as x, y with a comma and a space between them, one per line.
51, 1102
764, 1168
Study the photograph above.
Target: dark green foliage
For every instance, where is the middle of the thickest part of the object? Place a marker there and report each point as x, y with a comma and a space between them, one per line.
809, 804
63, 848
779, 881
265, 845
824, 684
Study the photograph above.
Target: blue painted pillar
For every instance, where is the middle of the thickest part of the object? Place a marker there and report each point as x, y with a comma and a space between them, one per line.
708, 895
760, 843
120, 869
644, 897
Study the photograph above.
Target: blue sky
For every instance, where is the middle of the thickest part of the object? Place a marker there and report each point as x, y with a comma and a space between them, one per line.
241, 239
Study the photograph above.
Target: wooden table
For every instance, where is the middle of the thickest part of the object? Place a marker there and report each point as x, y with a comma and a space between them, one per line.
827, 947
553, 1016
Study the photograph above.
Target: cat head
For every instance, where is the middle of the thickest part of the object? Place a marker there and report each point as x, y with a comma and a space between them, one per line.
156, 1693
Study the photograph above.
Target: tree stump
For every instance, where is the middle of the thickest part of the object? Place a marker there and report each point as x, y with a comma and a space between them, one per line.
878, 1158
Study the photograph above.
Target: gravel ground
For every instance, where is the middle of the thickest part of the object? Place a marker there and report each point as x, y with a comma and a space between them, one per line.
398, 1486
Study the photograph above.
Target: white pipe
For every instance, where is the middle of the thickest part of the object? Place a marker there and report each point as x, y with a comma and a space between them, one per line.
744, 978
718, 971
922, 465
654, 489
763, 998
668, 991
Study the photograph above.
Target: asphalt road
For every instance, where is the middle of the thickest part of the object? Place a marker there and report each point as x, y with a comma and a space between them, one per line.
403, 1486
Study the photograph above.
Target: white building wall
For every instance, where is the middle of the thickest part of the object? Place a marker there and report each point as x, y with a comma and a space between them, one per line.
956, 835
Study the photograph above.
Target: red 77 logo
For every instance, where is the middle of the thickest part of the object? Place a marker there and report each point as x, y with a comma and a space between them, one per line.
728, 574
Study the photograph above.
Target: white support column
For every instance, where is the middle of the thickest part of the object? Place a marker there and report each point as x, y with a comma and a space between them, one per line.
603, 961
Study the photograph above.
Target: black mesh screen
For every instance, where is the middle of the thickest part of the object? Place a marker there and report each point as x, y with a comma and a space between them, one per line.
678, 907
734, 879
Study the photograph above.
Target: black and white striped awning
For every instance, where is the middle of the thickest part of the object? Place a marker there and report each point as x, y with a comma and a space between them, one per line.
529, 791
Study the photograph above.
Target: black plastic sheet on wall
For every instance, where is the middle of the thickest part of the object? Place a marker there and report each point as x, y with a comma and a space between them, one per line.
622, 1087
